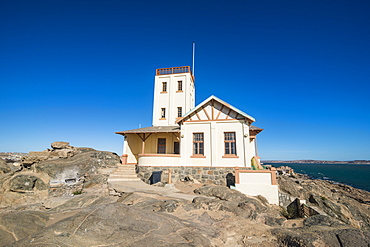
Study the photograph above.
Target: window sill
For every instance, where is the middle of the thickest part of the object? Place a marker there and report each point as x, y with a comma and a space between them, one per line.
198, 156
179, 91
230, 156
162, 119
163, 92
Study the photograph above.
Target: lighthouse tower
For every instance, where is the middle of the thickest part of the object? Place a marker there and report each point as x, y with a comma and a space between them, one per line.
174, 95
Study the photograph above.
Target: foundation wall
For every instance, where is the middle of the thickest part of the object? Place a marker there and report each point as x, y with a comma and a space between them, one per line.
202, 174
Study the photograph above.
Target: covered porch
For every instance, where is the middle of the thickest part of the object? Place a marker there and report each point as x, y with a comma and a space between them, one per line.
156, 145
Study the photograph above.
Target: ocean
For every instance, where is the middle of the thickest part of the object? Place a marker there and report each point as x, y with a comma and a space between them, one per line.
357, 176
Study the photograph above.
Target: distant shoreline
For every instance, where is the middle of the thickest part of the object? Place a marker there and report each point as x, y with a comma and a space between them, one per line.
352, 162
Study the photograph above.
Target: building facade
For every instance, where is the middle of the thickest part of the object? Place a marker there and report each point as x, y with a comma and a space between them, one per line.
214, 133
208, 142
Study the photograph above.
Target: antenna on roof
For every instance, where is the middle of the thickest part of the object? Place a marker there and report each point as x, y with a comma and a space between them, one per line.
192, 67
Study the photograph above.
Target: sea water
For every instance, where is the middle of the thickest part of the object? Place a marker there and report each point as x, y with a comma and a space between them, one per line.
357, 176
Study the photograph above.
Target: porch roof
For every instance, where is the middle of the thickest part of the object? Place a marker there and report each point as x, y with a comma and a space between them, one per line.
252, 127
152, 129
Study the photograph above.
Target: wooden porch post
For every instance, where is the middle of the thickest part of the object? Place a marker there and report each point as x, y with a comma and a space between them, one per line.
143, 145
143, 138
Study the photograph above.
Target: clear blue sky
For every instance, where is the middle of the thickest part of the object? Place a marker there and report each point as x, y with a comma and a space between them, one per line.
78, 71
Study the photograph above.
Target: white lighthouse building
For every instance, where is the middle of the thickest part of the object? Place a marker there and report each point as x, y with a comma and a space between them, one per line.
213, 134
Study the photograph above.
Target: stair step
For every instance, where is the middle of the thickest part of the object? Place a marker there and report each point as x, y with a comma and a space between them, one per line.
129, 171
122, 176
123, 179
124, 173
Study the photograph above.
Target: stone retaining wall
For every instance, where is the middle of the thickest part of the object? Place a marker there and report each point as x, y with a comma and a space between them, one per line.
211, 175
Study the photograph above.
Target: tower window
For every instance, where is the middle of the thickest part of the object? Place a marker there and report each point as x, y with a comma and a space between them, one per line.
163, 113
164, 87
179, 86
179, 111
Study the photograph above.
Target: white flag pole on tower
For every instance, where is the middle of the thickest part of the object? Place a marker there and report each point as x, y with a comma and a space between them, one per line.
192, 67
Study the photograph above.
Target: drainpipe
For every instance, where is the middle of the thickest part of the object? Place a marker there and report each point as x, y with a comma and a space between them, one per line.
210, 139
245, 155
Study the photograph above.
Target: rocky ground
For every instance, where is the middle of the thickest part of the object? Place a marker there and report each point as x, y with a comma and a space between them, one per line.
66, 201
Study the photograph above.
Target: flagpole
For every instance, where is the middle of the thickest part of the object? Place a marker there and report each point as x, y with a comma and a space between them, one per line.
192, 67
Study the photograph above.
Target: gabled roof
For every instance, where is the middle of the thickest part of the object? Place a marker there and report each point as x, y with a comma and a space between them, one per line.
214, 98
152, 129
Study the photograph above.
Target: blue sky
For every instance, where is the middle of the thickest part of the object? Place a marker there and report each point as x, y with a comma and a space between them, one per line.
78, 71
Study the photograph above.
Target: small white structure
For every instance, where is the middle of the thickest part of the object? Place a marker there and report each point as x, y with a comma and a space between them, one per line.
211, 134
258, 182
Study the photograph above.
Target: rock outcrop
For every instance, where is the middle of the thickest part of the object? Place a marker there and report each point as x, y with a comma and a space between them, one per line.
62, 170
342, 202
66, 201
59, 150
120, 225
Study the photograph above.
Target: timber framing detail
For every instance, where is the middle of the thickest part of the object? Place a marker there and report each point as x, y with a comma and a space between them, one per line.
214, 109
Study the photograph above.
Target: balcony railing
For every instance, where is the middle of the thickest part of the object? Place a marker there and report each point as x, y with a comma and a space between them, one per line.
174, 70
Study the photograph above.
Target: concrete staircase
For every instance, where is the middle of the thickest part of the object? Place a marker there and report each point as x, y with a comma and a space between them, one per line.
124, 173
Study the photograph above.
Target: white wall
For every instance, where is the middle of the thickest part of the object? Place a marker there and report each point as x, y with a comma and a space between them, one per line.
214, 143
270, 192
159, 161
258, 183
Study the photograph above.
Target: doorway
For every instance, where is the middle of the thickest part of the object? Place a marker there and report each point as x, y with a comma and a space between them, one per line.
176, 147
161, 148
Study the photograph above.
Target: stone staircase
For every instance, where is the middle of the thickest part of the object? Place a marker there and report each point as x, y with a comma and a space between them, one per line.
124, 173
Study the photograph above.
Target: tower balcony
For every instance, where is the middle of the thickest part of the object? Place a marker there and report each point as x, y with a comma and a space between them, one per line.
174, 70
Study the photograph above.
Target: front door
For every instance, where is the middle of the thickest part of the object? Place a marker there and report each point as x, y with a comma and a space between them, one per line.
176, 147
161, 146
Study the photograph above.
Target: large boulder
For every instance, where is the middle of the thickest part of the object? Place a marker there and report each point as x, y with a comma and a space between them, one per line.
54, 173
93, 162
23, 188
60, 145
59, 150
237, 203
27, 183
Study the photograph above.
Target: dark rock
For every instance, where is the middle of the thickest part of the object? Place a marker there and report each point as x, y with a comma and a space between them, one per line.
27, 183
342, 202
95, 179
321, 220
4, 168
353, 237
291, 239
